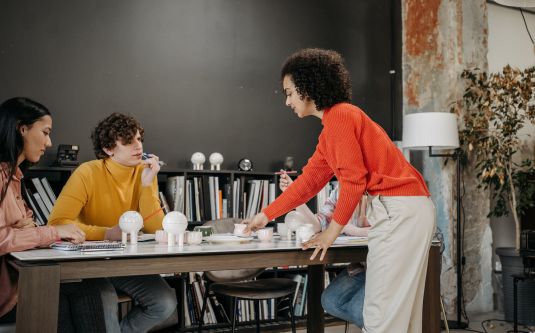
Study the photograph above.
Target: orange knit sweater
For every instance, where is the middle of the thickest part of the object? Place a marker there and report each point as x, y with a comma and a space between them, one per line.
362, 157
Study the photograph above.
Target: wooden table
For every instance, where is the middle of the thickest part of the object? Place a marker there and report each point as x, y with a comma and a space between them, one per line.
41, 272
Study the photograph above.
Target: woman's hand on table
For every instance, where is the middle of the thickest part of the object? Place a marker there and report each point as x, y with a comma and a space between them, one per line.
71, 233
257, 222
322, 241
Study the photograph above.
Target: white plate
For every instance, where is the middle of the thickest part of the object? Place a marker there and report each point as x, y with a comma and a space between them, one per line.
214, 238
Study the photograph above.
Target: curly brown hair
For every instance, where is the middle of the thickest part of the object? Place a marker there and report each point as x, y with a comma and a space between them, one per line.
319, 75
116, 126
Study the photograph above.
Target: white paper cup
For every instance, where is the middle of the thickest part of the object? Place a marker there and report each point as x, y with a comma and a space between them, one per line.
265, 234
282, 229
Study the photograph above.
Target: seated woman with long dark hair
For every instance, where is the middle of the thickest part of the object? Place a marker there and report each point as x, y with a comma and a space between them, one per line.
25, 127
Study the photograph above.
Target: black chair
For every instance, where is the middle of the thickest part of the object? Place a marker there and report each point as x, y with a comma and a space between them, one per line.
241, 284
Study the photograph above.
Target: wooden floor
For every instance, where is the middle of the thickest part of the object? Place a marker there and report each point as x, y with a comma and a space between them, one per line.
492, 326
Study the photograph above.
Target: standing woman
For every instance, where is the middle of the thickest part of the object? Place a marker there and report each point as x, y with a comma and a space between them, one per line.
360, 154
25, 128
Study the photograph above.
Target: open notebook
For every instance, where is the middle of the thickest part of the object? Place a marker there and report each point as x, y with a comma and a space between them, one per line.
89, 246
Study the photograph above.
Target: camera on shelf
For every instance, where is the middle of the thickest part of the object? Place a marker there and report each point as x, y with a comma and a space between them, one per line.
67, 155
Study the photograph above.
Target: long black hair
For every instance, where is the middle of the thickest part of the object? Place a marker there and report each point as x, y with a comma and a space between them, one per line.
14, 113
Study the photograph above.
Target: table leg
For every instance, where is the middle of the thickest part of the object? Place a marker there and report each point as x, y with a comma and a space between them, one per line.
315, 316
38, 300
431, 308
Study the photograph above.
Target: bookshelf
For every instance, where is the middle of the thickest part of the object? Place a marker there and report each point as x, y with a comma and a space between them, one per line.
235, 193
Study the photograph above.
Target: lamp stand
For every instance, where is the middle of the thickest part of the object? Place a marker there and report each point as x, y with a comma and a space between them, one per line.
456, 324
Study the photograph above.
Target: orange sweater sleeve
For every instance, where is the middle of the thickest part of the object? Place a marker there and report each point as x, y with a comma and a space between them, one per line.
338, 153
315, 175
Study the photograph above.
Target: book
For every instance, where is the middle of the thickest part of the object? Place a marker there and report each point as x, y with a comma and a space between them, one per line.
164, 203
48, 190
33, 205
42, 194
41, 207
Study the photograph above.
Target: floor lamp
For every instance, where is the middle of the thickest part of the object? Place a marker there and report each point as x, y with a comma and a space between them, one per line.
437, 131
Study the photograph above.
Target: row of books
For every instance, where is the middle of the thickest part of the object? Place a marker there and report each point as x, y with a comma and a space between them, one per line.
206, 197
41, 198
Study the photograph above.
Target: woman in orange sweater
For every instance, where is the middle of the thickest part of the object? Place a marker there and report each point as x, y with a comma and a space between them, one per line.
360, 154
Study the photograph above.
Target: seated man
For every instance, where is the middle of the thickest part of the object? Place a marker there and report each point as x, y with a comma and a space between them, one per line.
97, 194
344, 296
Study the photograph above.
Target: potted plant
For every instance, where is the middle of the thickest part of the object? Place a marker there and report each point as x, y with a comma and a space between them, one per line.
496, 108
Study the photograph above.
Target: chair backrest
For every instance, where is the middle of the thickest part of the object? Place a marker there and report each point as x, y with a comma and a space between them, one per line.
225, 226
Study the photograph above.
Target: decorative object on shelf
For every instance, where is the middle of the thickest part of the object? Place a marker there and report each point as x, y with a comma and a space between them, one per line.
439, 131
215, 161
245, 165
175, 223
130, 223
289, 163
198, 160
67, 155
293, 220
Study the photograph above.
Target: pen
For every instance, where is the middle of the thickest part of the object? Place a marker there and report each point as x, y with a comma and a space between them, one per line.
284, 172
147, 155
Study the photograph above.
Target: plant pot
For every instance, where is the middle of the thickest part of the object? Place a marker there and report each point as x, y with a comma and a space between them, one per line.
512, 264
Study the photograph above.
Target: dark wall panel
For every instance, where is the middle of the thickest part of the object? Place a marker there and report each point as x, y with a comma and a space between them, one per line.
200, 75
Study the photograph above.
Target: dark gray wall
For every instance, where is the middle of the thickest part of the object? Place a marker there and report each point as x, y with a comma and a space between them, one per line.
200, 75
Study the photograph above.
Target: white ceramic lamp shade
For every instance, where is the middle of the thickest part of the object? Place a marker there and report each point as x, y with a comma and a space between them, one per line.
130, 223
430, 129
198, 159
175, 223
215, 161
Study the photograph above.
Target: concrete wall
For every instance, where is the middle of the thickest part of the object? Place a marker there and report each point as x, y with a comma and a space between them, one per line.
440, 39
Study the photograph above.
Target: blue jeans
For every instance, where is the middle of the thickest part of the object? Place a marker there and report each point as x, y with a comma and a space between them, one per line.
344, 297
153, 302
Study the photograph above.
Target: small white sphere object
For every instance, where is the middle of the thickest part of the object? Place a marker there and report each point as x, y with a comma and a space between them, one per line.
294, 219
130, 221
216, 158
175, 223
198, 158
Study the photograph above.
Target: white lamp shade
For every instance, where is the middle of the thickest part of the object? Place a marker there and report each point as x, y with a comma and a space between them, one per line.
430, 129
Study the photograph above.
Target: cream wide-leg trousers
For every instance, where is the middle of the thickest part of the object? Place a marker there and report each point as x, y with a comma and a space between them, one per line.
398, 249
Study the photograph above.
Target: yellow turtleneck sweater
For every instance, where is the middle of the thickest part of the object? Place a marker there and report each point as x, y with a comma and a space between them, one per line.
99, 191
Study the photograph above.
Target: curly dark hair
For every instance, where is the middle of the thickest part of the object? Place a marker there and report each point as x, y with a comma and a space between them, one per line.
116, 126
319, 75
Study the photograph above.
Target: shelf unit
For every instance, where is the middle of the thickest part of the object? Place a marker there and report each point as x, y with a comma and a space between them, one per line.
225, 178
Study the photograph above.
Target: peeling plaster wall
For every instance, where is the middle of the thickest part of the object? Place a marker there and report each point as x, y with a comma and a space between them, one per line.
440, 39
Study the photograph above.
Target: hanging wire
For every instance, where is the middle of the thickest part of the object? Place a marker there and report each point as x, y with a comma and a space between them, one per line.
526, 24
